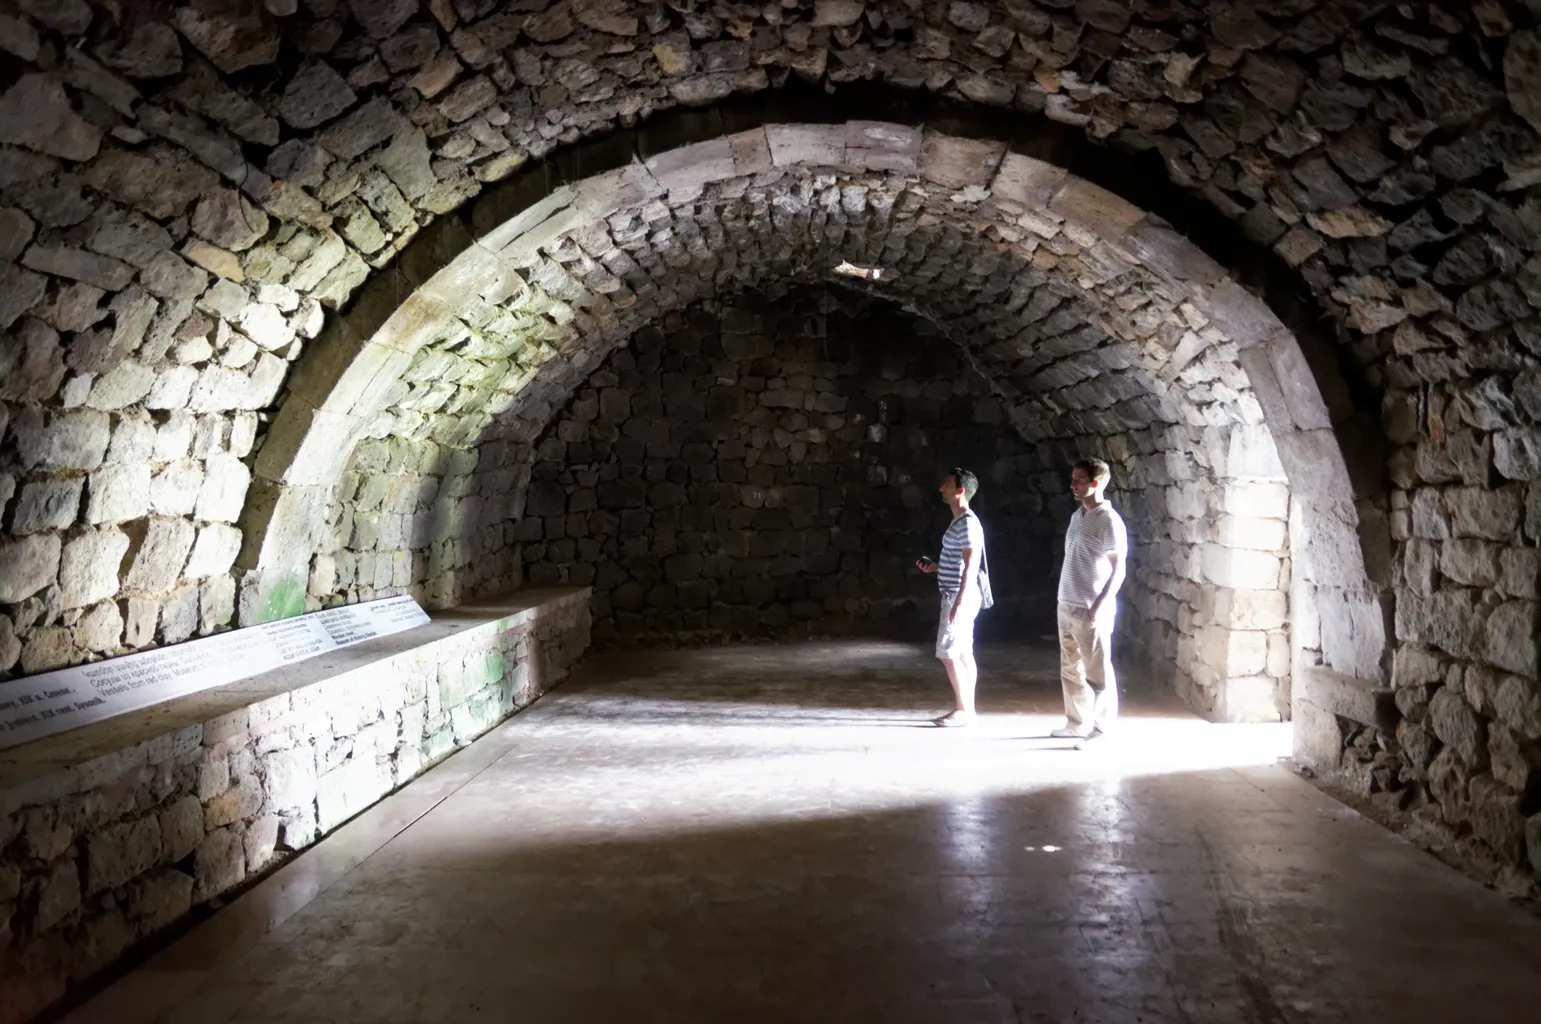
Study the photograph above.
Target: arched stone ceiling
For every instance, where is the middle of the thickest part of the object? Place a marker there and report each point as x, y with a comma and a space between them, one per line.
187, 187
1087, 315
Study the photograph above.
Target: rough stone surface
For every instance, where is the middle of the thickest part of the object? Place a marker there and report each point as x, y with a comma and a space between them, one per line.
315, 94
157, 562
27, 565
119, 493
774, 450
229, 220
35, 112
219, 863
115, 852
46, 505
88, 567
1385, 154
122, 852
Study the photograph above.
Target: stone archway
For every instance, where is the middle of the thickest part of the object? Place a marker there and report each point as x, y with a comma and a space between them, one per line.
190, 189
475, 344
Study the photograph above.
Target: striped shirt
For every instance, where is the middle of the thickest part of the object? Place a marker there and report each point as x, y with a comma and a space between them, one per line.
965, 532
1093, 535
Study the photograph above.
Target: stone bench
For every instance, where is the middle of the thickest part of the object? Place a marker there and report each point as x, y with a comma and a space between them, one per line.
112, 832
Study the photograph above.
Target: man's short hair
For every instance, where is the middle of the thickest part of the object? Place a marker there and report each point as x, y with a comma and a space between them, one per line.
966, 480
1096, 469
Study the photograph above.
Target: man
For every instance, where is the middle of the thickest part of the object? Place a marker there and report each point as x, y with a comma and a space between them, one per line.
958, 577
1096, 548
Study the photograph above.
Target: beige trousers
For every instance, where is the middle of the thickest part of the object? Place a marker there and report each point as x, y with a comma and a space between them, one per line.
1086, 668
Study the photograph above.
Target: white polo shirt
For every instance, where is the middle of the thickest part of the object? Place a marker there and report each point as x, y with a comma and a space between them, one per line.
1093, 535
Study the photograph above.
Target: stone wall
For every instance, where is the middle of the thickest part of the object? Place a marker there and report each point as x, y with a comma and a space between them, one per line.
103, 855
767, 466
1207, 606
418, 507
764, 466
187, 188
200, 181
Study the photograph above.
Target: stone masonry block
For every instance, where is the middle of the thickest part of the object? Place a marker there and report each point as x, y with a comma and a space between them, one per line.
806, 145
59, 895
1243, 317
1251, 453
1096, 209
88, 567
1155, 245
75, 439
223, 494
158, 557
122, 852
1264, 381
118, 493
1252, 532
1250, 609
1314, 461
693, 166
219, 864
214, 551
46, 505
290, 778
27, 565
1240, 569
347, 790
181, 826
880, 146
1026, 182
1296, 380
240, 801
751, 152
959, 163
1247, 699
1233, 652
159, 899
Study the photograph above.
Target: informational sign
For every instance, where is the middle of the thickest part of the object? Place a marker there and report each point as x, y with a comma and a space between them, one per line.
56, 702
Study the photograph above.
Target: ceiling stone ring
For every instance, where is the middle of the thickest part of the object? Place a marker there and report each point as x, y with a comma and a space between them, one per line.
499, 326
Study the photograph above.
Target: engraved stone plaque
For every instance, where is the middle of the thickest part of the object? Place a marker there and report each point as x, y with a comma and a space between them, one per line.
56, 702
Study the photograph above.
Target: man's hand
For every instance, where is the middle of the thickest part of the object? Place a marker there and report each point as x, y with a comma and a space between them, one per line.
1096, 605
952, 616
925, 565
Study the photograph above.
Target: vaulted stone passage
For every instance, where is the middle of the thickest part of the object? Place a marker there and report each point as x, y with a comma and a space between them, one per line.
764, 466
1093, 327
287, 314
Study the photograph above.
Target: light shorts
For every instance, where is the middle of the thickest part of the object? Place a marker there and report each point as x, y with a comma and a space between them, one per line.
957, 637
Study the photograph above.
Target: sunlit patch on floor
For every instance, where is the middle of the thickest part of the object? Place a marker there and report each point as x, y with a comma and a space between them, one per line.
779, 834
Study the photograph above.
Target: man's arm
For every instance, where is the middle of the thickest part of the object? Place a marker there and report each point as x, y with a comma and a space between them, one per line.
1114, 581
970, 571
1117, 556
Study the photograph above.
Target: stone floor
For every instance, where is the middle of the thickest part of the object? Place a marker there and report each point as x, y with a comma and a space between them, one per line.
773, 834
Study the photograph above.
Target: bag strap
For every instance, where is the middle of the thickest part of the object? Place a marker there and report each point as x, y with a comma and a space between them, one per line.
984, 549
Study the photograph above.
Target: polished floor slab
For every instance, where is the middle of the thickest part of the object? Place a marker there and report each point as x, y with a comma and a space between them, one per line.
774, 833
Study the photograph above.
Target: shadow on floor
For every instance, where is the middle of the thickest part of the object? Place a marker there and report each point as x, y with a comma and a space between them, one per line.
624, 856
858, 675
1207, 896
